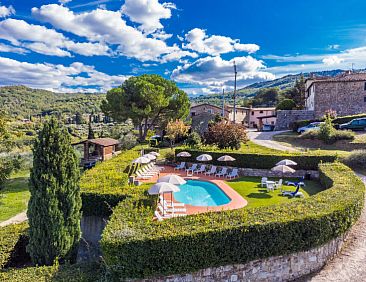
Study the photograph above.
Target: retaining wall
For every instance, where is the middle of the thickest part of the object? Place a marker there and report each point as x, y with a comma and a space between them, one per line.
286, 117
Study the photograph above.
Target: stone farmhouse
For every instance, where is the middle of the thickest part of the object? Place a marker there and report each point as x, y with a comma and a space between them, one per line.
345, 94
250, 117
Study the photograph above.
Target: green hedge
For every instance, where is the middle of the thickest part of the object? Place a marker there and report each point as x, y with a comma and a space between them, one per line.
135, 246
105, 185
90, 272
307, 161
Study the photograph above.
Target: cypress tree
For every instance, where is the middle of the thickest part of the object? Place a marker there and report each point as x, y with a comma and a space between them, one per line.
54, 209
90, 132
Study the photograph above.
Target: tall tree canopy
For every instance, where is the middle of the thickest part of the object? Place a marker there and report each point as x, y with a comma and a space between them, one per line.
54, 209
297, 93
148, 100
266, 97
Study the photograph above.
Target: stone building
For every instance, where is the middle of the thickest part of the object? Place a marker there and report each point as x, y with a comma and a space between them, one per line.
345, 94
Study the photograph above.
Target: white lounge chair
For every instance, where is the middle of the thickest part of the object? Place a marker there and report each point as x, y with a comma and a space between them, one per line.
202, 169
140, 175
146, 171
278, 184
172, 212
233, 174
175, 210
192, 168
222, 173
211, 171
161, 217
170, 203
182, 165
264, 181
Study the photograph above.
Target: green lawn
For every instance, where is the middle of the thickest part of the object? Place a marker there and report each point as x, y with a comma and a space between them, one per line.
249, 188
14, 196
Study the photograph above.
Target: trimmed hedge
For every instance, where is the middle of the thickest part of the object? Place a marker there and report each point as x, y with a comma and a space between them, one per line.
135, 246
66, 273
10, 235
308, 161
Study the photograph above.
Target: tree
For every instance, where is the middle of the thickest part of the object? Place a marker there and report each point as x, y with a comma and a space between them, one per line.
286, 104
193, 140
297, 93
176, 129
54, 209
79, 118
266, 97
226, 135
90, 132
148, 100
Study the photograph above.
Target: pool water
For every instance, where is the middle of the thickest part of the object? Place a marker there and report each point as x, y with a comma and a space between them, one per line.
201, 193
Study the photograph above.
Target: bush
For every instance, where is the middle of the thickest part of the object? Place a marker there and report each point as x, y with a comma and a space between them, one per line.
310, 134
286, 104
9, 238
308, 161
226, 135
193, 140
343, 135
328, 134
135, 246
356, 159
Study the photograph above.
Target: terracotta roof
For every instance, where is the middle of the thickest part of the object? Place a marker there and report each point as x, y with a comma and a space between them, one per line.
105, 142
206, 104
345, 77
263, 109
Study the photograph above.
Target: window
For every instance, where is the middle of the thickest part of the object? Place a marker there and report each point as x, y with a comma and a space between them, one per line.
252, 113
261, 112
364, 99
193, 114
209, 111
365, 86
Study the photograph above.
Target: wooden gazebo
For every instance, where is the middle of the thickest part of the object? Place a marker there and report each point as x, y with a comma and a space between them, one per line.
99, 149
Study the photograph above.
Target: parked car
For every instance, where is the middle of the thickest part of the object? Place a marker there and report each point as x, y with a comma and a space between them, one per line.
355, 124
268, 127
310, 126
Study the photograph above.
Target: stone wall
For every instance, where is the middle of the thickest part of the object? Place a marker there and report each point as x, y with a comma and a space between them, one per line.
286, 117
280, 268
269, 173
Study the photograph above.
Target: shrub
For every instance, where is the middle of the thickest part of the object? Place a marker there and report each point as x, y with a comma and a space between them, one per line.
286, 104
193, 140
9, 238
310, 134
326, 131
135, 246
308, 161
226, 135
356, 159
343, 135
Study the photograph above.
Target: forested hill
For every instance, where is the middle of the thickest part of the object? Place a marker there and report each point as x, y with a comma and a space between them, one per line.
23, 101
282, 83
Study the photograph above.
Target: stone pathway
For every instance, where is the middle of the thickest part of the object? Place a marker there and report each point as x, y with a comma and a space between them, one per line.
265, 139
20, 217
349, 265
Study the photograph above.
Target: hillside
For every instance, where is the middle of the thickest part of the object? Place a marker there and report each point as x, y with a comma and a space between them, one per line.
251, 90
24, 101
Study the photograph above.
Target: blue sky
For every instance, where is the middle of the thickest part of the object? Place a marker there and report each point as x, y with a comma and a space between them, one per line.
92, 46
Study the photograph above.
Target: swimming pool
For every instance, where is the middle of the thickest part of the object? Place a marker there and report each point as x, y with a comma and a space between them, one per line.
201, 193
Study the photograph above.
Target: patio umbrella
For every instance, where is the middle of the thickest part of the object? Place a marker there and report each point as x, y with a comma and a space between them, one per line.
283, 169
149, 156
286, 162
156, 154
184, 154
172, 179
163, 187
226, 158
141, 160
204, 158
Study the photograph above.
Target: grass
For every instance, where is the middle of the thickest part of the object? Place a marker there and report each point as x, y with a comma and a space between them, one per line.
249, 188
14, 196
292, 139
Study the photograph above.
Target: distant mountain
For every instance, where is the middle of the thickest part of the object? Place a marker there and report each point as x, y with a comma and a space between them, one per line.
24, 101
251, 90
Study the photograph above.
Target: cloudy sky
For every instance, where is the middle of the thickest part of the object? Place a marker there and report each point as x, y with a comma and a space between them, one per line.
91, 46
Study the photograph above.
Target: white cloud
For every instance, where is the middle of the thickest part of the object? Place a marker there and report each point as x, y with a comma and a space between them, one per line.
64, 1
46, 41
11, 49
57, 77
177, 55
214, 71
105, 26
332, 60
214, 45
148, 13
6, 11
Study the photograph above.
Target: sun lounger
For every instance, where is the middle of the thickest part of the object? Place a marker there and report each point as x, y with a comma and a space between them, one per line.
182, 165
202, 169
211, 171
161, 217
296, 193
172, 212
233, 174
146, 171
142, 176
192, 168
170, 203
222, 173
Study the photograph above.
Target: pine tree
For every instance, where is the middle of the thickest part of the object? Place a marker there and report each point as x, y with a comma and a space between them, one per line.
54, 209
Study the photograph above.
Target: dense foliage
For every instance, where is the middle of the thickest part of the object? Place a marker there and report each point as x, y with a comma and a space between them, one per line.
226, 135
296, 93
176, 129
286, 104
148, 100
54, 209
135, 246
193, 140
23, 101
308, 161
356, 159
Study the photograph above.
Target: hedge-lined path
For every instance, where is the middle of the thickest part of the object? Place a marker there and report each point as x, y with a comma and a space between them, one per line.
265, 139
20, 217
349, 265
